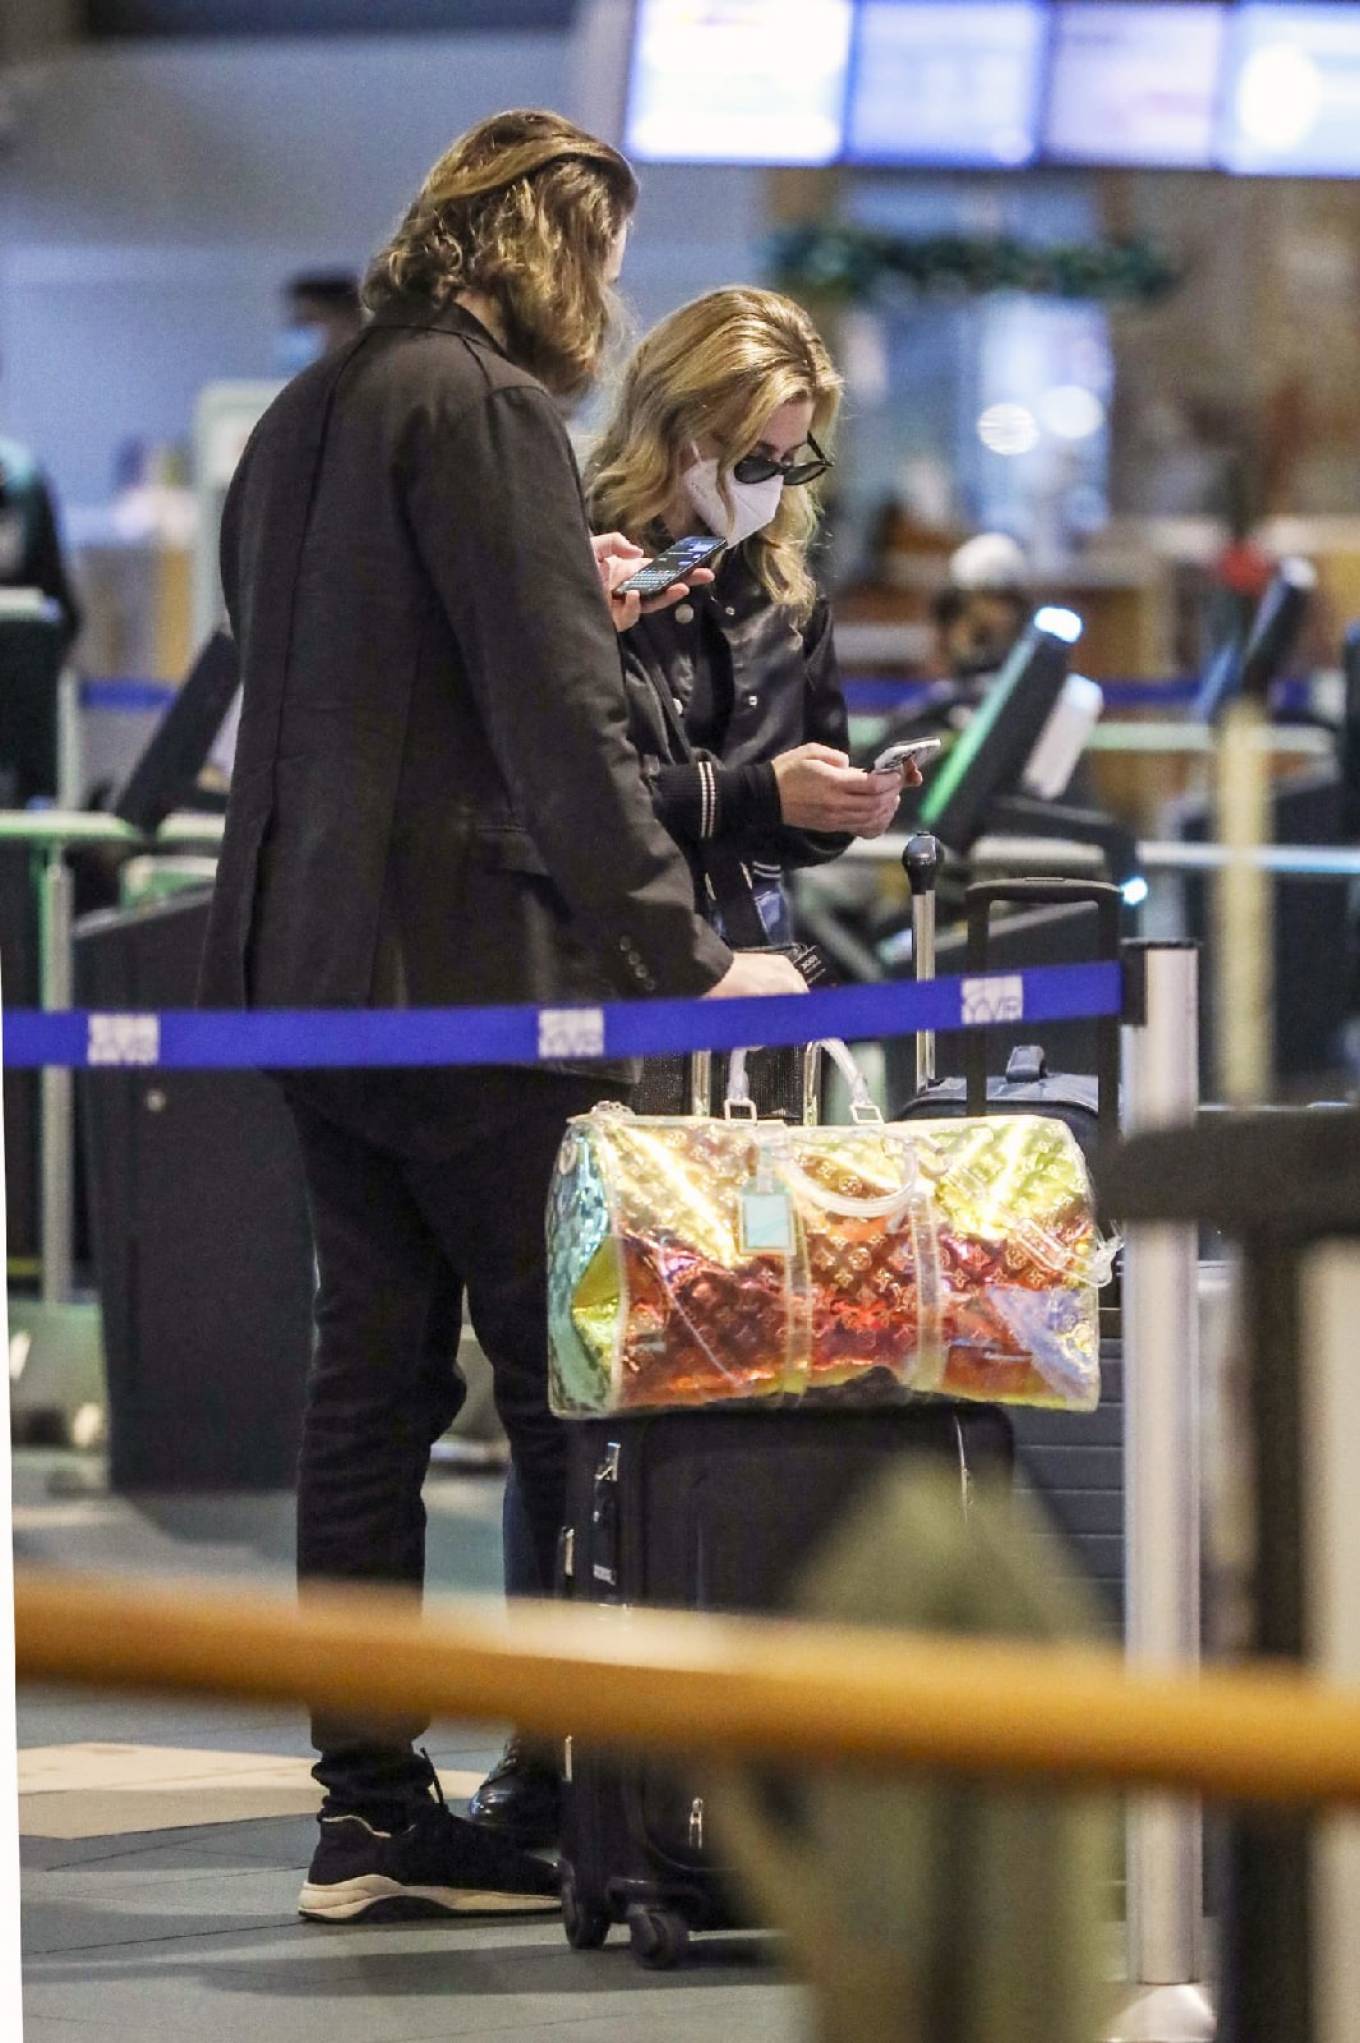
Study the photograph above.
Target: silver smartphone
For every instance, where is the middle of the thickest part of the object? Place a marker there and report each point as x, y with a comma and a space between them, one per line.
918, 750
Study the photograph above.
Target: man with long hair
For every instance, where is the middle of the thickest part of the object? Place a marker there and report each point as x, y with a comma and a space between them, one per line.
435, 801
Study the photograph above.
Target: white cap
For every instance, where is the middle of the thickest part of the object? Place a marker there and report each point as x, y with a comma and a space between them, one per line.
991, 561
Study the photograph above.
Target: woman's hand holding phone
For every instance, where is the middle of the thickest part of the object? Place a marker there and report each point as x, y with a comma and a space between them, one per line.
820, 790
618, 560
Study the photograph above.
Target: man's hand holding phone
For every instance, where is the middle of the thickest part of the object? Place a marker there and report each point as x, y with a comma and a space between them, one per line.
618, 561
754, 973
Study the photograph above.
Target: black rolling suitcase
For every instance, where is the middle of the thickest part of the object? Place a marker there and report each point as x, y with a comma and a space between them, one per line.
719, 1511
1089, 1105
712, 1511
203, 1249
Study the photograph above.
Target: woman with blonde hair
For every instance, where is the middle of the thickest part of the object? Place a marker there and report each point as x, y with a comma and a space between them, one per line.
720, 425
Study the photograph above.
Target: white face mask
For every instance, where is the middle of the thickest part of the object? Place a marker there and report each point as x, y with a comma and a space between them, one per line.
753, 503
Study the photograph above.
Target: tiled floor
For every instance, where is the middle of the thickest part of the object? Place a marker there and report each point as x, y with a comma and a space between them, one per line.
98, 1789
184, 1927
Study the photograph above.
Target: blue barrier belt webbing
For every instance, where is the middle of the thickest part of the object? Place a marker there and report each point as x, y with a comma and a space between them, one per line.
348, 1038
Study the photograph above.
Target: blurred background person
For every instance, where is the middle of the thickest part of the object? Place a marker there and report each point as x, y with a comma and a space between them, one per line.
984, 607
323, 310
31, 554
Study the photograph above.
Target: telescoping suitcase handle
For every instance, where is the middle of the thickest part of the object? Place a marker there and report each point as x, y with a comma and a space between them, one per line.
1106, 899
921, 864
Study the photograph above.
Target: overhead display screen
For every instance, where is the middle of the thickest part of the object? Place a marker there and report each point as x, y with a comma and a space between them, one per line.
948, 82
1135, 83
1260, 87
739, 81
1292, 99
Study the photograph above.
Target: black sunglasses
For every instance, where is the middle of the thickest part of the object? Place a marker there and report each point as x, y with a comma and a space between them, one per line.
761, 467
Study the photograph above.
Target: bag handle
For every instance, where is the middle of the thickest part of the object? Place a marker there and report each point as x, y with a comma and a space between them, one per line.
739, 1106
775, 1159
889, 1205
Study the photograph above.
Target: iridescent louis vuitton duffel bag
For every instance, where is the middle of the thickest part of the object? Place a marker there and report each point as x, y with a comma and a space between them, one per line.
699, 1261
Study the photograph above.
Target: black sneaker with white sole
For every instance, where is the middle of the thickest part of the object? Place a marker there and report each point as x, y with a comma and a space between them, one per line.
439, 1864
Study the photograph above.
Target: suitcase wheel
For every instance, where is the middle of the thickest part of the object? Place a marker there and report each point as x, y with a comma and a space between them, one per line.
586, 1925
658, 1937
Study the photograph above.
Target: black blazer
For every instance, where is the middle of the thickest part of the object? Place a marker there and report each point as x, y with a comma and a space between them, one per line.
435, 798
785, 685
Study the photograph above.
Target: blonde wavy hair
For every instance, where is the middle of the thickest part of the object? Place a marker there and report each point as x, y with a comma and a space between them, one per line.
525, 207
716, 370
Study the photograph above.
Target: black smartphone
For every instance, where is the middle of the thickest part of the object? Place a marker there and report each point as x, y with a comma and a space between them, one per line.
672, 566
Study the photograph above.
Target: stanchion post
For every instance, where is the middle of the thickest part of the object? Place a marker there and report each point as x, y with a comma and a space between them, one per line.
70, 761
1329, 1314
1243, 924
55, 900
1167, 2001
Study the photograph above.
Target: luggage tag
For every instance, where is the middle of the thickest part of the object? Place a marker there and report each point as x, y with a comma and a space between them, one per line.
765, 1210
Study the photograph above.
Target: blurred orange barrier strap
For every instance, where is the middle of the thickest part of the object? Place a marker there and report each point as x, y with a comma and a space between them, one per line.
738, 1686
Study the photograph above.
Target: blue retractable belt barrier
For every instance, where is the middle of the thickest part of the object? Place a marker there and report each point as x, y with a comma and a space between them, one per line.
124, 693
347, 1038
881, 694
868, 694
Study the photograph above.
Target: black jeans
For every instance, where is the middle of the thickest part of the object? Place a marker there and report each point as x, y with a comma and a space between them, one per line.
423, 1188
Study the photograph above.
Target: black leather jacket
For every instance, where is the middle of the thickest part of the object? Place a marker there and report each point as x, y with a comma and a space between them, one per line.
786, 691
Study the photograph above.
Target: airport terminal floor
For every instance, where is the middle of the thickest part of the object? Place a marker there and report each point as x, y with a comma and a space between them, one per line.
162, 1843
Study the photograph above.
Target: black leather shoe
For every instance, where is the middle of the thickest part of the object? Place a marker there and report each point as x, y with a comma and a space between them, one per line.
521, 1797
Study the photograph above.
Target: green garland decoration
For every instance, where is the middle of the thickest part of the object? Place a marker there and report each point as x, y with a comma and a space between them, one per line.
854, 265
